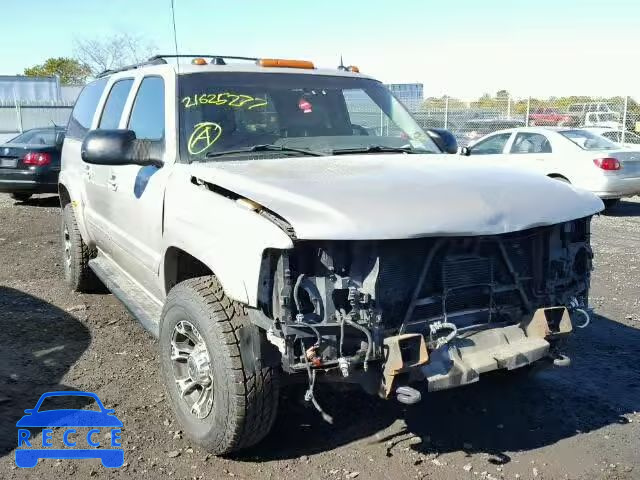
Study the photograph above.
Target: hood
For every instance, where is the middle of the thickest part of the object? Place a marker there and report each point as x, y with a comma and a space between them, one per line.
375, 197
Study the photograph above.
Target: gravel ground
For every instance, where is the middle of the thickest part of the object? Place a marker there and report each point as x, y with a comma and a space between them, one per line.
578, 422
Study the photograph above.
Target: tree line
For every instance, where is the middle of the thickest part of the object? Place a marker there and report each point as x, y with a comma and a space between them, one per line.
91, 56
503, 101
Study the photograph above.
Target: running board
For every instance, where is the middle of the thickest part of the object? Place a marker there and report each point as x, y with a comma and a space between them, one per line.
140, 304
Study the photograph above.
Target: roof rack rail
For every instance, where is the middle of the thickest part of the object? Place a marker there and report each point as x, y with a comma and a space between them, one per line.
161, 59
152, 61
222, 57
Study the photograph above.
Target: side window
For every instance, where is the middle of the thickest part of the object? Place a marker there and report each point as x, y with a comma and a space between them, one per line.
84, 109
147, 114
530, 143
114, 105
492, 145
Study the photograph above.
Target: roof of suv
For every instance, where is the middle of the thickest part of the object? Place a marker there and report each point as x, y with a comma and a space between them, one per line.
158, 64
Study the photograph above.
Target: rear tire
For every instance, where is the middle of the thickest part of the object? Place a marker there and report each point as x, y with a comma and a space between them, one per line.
76, 255
20, 197
234, 402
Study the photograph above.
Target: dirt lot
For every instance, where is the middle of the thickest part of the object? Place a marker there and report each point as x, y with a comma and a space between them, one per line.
577, 422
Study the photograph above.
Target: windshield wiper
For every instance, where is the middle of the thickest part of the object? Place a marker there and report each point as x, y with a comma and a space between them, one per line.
266, 148
375, 149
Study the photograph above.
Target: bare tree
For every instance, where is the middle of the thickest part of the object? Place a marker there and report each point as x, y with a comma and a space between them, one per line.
113, 52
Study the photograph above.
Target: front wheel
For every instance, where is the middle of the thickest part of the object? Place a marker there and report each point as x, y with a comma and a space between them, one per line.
224, 400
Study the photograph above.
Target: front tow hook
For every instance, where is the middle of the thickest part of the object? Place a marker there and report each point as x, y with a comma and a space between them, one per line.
408, 395
560, 359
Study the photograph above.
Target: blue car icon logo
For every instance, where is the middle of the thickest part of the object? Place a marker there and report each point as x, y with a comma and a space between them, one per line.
68, 421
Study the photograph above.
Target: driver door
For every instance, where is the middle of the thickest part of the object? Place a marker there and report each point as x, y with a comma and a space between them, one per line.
137, 195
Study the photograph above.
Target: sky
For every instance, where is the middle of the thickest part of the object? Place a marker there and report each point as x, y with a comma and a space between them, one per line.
461, 48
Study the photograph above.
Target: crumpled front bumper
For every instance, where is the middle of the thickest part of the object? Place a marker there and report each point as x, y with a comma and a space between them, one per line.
471, 354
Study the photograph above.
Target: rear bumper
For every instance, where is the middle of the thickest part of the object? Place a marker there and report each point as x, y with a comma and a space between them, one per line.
32, 181
611, 187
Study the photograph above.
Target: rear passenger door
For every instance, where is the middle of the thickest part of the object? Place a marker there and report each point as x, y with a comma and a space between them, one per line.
97, 177
75, 173
531, 151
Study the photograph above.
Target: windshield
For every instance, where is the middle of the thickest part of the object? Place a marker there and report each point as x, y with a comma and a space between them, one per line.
36, 137
227, 112
587, 140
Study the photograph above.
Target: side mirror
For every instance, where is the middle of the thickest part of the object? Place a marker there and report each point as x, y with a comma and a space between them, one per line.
444, 139
465, 151
29, 411
119, 147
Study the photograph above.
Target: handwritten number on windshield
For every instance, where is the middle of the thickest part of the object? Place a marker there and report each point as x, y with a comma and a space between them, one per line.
229, 99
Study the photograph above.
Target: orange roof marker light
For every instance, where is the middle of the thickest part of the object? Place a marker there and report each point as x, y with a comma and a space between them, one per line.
280, 63
199, 61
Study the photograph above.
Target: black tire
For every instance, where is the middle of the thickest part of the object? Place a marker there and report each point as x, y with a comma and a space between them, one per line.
20, 197
611, 203
245, 393
76, 255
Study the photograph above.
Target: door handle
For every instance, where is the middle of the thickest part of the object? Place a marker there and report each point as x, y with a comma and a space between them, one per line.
113, 185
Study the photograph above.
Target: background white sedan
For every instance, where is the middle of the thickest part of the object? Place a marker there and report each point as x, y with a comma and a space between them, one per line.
573, 155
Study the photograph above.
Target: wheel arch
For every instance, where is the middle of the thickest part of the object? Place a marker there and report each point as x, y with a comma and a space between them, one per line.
64, 195
179, 265
558, 176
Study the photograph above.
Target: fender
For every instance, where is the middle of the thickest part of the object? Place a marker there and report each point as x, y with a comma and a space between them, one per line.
226, 236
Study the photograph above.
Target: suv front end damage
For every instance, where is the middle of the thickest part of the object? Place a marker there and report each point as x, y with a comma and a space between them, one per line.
434, 310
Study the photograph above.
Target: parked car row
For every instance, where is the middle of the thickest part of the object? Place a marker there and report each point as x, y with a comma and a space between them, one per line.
30, 162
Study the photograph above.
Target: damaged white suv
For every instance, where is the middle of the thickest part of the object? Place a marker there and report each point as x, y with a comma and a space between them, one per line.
266, 219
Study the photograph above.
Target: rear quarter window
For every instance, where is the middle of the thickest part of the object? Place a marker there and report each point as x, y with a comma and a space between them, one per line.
84, 109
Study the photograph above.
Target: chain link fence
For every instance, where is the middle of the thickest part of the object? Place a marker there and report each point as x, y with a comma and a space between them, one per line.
472, 120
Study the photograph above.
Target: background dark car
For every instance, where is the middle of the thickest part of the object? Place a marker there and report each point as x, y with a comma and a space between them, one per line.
30, 162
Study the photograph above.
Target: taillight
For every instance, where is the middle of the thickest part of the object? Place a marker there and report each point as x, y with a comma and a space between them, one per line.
607, 163
37, 159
